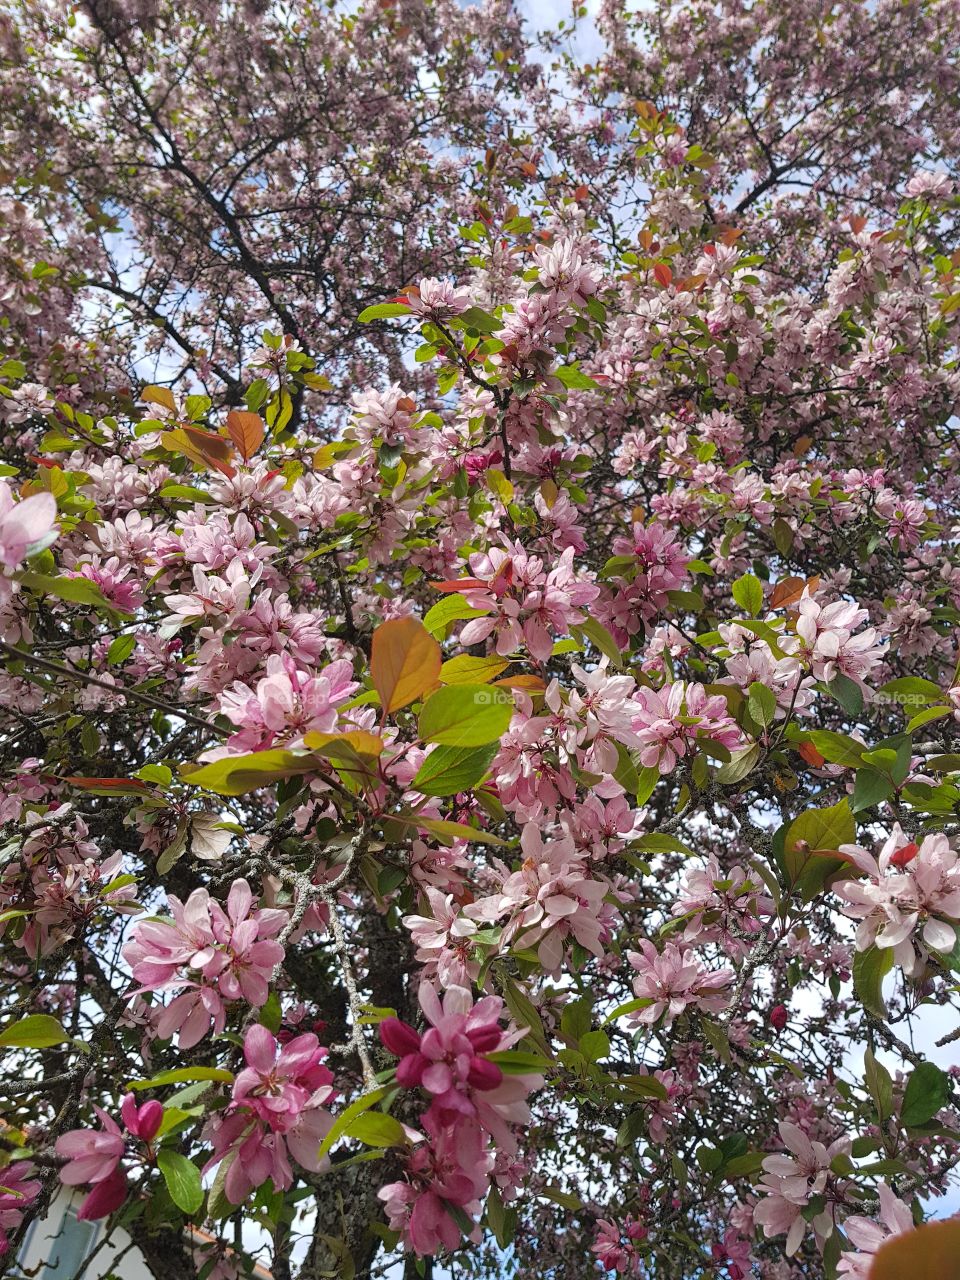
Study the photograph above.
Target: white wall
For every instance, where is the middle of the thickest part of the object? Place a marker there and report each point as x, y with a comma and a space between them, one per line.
55, 1248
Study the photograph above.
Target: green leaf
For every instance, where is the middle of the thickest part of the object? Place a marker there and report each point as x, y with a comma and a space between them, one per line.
571, 376
782, 536
74, 590
660, 842
746, 1166
557, 1195
911, 690
37, 1031
466, 670
879, 1085
810, 836
383, 311
577, 1018
648, 778
517, 1062
374, 1129
870, 967
641, 1086
271, 1013
235, 775
482, 321
951, 959
927, 716
450, 609
602, 639
346, 1118
465, 715
869, 789
595, 1045
159, 774
218, 1206
447, 831
838, 748
184, 493
848, 693
449, 770
927, 1092
181, 1075
175, 849
629, 1006
762, 704
740, 765
748, 593
626, 771
501, 1219
524, 1013
183, 1180
121, 648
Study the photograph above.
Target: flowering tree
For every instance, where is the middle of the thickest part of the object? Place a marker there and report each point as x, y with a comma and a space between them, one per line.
480, 728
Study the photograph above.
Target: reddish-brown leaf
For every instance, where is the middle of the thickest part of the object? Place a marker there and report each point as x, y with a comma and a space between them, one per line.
159, 395
405, 662
787, 591
246, 430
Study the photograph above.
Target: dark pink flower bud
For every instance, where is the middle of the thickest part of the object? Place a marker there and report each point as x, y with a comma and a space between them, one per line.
151, 1116
779, 1016
484, 1074
143, 1122
485, 1038
105, 1197
399, 1037
410, 1070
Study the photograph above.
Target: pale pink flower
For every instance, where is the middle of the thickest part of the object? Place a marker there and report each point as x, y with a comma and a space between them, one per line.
668, 722
791, 1181
828, 641
437, 298
673, 980
868, 1234
286, 704
24, 525
910, 899
444, 940
215, 955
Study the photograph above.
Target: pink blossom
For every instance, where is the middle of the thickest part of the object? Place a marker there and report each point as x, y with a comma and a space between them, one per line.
829, 643
437, 299
867, 1234
25, 526
276, 1111
673, 980
94, 1156
91, 1155
910, 899
286, 704
232, 953
452, 1168
615, 1245
19, 1190
523, 603
791, 1181
669, 720
449, 1061
444, 940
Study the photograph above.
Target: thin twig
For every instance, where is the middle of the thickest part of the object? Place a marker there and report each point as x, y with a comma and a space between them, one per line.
60, 669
